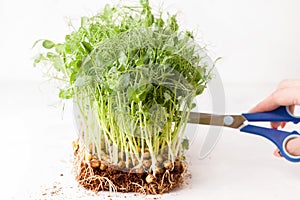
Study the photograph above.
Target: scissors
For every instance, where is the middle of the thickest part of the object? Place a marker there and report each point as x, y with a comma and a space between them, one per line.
278, 137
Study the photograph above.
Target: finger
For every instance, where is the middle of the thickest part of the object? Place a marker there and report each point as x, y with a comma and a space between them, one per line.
289, 83
277, 153
283, 124
293, 146
292, 109
275, 125
281, 97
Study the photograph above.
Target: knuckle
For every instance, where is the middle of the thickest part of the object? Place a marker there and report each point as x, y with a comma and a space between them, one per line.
284, 83
276, 95
296, 101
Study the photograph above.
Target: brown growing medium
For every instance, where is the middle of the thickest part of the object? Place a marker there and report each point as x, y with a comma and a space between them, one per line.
112, 178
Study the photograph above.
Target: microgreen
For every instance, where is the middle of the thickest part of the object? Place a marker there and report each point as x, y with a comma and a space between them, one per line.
133, 76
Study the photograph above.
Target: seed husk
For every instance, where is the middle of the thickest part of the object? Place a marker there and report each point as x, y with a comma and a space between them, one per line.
159, 171
177, 163
130, 163
75, 145
95, 163
150, 178
139, 170
159, 159
121, 164
146, 163
158, 164
103, 165
135, 162
146, 155
168, 165
89, 156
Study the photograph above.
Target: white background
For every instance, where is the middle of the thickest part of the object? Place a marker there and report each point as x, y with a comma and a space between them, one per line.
258, 40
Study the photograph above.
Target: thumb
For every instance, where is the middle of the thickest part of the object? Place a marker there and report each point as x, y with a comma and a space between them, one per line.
281, 97
277, 153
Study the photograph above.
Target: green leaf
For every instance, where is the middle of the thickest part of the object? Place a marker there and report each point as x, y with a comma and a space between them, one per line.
66, 94
84, 21
38, 59
149, 19
185, 144
73, 77
189, 34
167, 96
87, 46
193, 105
59, 48
51, 55
160, 22
56, 60
173, 23
132, 94
145, 3
47, 44
139, 62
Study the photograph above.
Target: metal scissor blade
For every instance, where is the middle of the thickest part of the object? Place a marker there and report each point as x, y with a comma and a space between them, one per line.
232, 121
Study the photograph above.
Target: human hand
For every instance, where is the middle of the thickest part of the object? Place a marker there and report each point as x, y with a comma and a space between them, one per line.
286, 94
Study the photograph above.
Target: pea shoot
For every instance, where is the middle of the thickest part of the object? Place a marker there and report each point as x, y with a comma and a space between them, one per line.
132, 76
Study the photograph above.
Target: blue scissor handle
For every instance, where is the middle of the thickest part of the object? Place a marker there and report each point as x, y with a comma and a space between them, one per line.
278, 137
281, 114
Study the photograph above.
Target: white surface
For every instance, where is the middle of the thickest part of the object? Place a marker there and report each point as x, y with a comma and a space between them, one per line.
259, 42
36, 149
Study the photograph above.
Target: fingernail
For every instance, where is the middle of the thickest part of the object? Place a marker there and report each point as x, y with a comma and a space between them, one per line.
273, 127
283, 124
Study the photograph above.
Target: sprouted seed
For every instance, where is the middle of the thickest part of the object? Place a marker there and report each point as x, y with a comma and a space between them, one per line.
159, 171
95, 163
103, 165
150, 178
168, 165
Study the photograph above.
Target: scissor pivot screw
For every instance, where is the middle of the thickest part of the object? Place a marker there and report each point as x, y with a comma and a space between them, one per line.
228, 120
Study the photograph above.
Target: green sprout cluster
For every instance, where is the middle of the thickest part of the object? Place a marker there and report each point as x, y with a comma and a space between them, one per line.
133, 77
